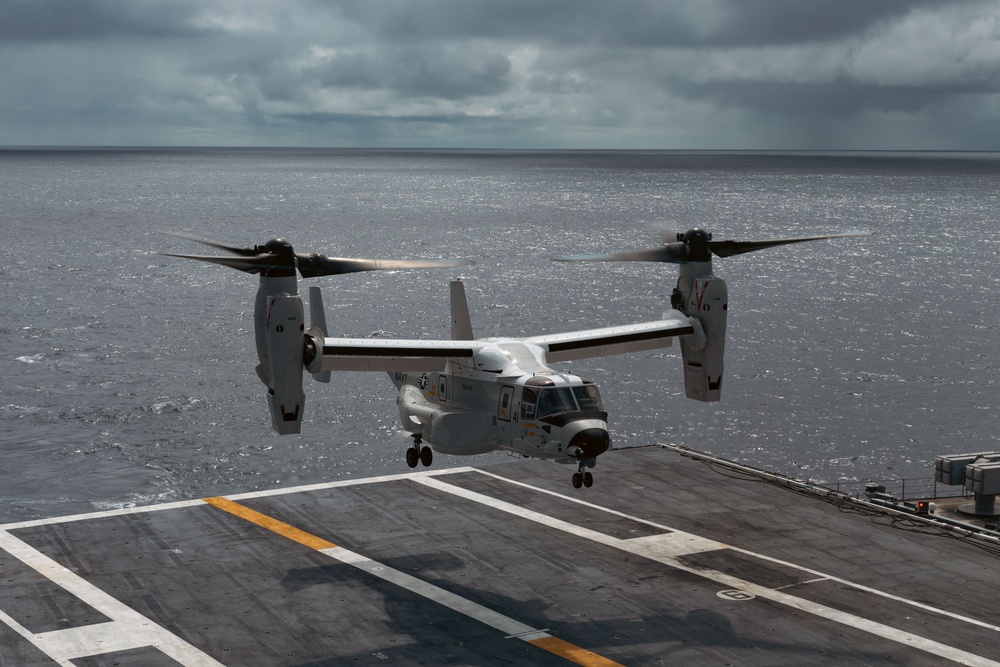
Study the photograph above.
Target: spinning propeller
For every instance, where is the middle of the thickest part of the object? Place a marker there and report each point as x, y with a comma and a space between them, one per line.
696, 245
276, 258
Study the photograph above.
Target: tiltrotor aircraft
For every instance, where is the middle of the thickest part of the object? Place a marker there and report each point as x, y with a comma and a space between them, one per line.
469, 396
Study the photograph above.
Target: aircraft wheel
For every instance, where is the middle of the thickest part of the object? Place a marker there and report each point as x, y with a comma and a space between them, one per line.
426, 456
588, 480
411, 457
577, 480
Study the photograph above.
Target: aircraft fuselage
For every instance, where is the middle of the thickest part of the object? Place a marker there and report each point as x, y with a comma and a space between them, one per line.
504, 397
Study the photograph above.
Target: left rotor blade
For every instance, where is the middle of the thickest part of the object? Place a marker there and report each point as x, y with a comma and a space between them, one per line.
315, 265
244, 252
255, 264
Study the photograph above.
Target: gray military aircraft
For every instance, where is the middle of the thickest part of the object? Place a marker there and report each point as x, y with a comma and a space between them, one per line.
466, 395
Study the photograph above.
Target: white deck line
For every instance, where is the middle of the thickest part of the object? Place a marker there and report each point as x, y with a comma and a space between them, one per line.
128, 629
474, 610
641, 548
666, 548
662, 541
198, 502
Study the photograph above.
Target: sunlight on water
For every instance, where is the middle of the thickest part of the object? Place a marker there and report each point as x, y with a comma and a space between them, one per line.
129, 375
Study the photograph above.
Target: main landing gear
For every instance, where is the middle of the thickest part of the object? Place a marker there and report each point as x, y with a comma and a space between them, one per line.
583, 477
416, 452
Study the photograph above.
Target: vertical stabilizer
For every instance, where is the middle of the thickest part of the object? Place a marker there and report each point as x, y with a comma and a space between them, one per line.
461, 324
317, 324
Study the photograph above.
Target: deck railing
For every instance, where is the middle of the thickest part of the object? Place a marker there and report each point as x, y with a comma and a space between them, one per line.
904, 489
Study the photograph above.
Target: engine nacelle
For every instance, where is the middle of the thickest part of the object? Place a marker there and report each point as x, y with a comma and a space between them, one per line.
281, 360
705, 299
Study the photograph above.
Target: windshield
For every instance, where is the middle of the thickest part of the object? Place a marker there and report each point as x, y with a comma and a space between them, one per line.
554, 401
588, 398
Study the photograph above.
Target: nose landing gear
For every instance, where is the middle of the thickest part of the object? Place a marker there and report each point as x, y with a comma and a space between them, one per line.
416, 452
582, 477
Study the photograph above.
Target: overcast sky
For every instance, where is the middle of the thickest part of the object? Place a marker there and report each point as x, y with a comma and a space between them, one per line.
715, 74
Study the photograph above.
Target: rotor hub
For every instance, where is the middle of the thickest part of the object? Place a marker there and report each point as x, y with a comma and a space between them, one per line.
696, 240
284, 258
277, 246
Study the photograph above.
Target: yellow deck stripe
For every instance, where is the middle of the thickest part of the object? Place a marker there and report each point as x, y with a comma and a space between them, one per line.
547, 642
279, 527
572, 652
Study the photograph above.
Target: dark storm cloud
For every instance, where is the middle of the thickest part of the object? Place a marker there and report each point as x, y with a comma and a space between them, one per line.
625, 23
57, 20
841, 98
564, 73
445, 72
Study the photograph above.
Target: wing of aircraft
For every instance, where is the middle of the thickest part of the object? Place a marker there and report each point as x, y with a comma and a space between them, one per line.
614, 340
389, 355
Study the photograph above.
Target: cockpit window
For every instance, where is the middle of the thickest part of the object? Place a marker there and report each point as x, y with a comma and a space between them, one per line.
538, 403
555, 401
588, 398
528, 398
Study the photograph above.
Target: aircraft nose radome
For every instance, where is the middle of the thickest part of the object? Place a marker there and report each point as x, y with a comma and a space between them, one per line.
591, 441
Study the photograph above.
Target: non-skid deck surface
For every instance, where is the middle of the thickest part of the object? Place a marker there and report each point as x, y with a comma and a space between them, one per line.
663, 561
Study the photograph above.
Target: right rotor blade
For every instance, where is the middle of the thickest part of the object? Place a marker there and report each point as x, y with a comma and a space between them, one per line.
730, 248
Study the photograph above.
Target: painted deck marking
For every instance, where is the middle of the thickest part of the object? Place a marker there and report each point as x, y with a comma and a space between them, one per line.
273, 525
198, 502
571, 652
661, 548
678, 543
510, 627
128, 629
729, 581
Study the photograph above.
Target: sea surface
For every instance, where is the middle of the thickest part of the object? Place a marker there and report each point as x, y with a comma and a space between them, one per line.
127, 376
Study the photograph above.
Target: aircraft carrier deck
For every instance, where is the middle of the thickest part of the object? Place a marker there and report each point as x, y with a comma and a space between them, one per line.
663, 561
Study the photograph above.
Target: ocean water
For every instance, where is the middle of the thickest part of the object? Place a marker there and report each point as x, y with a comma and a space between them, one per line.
128, 376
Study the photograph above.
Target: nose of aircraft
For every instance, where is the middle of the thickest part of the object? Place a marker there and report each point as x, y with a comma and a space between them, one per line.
591, 442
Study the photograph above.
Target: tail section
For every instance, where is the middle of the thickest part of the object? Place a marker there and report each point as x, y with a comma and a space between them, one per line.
461, 323
318, 328
283, 345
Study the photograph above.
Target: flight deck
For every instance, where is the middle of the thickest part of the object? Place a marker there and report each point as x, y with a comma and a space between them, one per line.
666, 560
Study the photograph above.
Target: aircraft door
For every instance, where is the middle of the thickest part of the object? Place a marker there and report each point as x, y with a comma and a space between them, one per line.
505, 406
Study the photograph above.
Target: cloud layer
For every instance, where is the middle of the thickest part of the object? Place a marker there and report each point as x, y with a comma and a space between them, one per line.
786, 74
